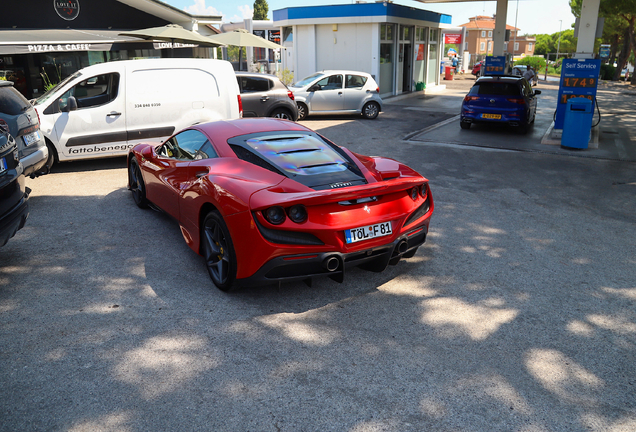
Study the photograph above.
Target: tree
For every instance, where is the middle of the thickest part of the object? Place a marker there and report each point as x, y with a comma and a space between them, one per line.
260, 9
625, 12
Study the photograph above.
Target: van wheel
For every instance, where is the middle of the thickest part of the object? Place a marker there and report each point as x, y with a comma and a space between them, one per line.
371, 110
218, 251
302, 111
281, 113
137, 186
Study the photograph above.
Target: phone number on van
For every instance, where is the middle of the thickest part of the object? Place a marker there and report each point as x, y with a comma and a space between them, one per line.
148, 105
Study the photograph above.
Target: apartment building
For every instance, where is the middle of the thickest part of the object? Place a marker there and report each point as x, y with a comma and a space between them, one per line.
479, 38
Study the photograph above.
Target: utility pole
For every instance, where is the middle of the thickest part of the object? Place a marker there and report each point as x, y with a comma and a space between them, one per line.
559, 43
514, 41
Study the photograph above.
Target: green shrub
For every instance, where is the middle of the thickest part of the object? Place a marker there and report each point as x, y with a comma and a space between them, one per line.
537, 63
607, 71
286, 76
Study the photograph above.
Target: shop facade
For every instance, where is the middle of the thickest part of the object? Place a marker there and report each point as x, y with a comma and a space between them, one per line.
44, 41
398, 45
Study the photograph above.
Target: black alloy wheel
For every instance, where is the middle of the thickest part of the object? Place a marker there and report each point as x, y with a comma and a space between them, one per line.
218, 251
302, 111
371, 110
137, 186
282, 113
464, 124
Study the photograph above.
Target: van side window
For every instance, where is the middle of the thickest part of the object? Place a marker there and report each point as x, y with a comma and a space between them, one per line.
187, 145
94, 91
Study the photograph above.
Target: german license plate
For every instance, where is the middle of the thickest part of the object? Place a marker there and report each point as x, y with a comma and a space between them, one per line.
491, 116
31, 138
3, 165
368, 232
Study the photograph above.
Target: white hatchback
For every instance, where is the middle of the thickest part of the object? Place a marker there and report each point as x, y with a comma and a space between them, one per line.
337, 92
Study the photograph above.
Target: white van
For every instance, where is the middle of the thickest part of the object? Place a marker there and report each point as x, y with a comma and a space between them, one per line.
105, 109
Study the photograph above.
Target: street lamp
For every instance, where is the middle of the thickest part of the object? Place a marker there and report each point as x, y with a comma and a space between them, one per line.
559, 43
514, 40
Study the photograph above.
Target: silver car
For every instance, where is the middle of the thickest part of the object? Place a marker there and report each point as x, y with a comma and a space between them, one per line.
19, 118
338, 92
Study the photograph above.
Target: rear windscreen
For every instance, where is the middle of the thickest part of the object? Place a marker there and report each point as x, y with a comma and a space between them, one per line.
12, 102
302, 156
495, 89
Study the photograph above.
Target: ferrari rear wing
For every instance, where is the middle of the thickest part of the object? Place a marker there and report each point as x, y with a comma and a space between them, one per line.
283, 195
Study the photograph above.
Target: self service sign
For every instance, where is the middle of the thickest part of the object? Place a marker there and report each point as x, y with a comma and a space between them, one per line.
579, 78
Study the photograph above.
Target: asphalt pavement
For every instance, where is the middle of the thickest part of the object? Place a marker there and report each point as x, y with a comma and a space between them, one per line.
518, 314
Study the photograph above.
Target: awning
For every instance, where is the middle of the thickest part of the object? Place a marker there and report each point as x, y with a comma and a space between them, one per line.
67, 40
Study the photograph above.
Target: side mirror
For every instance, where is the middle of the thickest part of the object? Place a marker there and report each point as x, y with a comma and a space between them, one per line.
71, 105
314, 88
537, 92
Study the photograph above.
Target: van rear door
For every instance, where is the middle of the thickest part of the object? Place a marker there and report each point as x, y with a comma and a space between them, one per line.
98, 126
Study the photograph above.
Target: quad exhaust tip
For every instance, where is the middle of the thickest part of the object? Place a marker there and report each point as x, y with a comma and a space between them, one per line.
402, 246
331, 263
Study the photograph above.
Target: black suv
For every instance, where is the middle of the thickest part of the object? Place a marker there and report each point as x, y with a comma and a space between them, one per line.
14, 205
266, 96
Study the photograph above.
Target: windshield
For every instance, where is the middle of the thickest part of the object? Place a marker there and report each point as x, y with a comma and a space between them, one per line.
308, 80
46, 96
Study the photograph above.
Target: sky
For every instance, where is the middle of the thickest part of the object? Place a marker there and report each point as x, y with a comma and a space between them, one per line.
531, 16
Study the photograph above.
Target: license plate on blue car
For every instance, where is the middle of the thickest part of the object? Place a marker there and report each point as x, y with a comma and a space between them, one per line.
368, 232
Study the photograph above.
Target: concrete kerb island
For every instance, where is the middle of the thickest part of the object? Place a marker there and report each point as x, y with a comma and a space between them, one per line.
616, 106
553, 137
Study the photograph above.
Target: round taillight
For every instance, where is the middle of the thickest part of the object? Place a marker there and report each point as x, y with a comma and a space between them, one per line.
298, 213
423, 190
414, 193
275, 215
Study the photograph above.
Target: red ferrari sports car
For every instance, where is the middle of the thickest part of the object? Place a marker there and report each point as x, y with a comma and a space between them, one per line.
267, 200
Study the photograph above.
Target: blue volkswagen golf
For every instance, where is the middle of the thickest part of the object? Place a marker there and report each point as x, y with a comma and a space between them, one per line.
500, 99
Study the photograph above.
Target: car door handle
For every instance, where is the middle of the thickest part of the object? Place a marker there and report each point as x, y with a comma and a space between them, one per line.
113, 114
339, 93
264, 98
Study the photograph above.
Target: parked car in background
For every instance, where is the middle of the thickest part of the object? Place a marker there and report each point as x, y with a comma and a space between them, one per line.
500, 99
14, 205
338, 92
21, 120
477, 68
266, 96
105, 109
519, 70
266, 201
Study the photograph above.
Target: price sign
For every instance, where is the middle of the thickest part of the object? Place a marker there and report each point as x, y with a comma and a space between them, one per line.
495, 65
579, 78
579, 82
